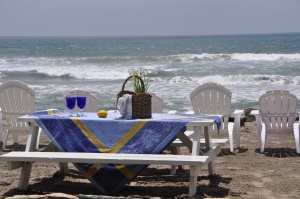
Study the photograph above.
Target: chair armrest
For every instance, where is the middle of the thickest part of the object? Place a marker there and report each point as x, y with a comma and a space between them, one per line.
238, 112
237, 119
254, 112
258, 119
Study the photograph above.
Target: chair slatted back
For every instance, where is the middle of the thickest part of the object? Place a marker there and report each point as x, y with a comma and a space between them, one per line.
91, 101
156, 103
278, 110
212, 98
16, 99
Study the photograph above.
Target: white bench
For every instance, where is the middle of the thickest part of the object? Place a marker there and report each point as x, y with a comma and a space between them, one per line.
215, 142
24, 160
188, 142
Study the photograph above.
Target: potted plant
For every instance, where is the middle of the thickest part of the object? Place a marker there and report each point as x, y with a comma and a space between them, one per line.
141, 100
138, 85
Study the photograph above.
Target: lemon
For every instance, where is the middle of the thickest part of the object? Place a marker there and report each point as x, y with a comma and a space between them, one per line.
102, 113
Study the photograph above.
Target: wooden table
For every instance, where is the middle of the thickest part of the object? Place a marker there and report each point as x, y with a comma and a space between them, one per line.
24, 160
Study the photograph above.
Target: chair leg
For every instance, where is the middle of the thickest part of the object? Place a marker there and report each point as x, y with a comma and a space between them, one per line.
63, 168
259, 125
296, 136
173, 169
262, 139
15, 137
175, 151
5, 139
180, 167
38, 139
237, 131
230, 132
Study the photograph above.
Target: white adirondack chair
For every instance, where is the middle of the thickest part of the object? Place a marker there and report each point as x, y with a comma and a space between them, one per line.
16, 99
156, 103
212, 98
91, 101
277, 114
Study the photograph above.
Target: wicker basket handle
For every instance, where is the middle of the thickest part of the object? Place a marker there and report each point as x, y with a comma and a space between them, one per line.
130, 78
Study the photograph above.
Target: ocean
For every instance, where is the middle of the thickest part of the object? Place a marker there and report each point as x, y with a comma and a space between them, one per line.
248, 65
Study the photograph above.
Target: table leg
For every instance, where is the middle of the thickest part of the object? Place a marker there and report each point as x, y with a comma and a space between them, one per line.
185, 140
196, 141
32, 137
26, 167
208, 143
25, 175
194, 169
174, 151
193, 180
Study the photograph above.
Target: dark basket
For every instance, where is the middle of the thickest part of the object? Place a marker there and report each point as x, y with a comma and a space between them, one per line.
141, 102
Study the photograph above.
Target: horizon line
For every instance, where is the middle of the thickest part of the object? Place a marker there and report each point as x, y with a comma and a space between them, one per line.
179, 35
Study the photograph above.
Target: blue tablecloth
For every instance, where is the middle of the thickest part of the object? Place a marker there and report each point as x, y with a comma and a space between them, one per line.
106, 135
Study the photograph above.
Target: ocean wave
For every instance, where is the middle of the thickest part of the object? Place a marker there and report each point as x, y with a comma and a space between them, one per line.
158, 74
234, 56
239, 79
79, 69
189, 58
108, 75
265, 57
22, 63
32, 74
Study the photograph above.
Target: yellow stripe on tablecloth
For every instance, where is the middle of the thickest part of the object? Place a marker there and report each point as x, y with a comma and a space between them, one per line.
128, 136
86, 131
93, 169
125, 171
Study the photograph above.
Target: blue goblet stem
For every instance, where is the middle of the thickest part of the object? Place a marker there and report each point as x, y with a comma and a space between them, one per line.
71, 103
81, 102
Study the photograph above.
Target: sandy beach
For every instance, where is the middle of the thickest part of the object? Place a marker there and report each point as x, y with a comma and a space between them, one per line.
246, 173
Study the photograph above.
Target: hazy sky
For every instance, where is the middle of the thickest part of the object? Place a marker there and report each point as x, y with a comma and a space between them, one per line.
147, 17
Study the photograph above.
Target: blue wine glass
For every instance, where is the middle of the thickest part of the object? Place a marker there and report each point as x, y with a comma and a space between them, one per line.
81, 102
71, 103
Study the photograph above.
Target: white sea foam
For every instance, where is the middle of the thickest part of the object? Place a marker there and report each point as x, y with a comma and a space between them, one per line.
264, 57
252, 79
239, 79
234, 56
194, 57
62, 68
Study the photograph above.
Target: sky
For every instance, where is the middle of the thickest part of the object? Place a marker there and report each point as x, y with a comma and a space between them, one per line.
147, 17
